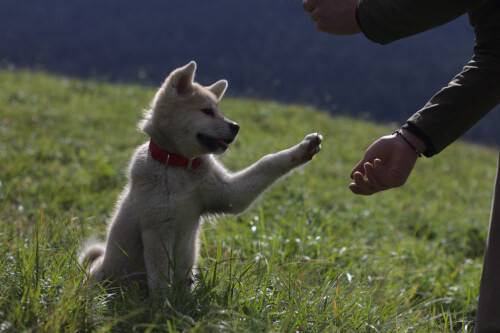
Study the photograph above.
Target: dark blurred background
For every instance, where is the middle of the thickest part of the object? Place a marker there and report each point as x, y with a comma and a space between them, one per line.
266, 49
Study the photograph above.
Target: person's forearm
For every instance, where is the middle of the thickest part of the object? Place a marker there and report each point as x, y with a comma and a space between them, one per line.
384, 21
457, 107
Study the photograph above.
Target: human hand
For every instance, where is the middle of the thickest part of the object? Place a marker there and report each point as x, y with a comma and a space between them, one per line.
333, 16
386, 164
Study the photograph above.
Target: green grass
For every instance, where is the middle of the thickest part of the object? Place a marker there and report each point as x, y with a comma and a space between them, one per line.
308, 257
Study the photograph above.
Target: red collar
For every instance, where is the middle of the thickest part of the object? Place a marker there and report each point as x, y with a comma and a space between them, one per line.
172, 159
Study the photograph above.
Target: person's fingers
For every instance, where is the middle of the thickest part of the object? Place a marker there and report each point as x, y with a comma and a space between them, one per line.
372, 176
354, 189
313, 15
362, 185
316, 16
377, 164
320, 26
358, 168
308, 5
353, 186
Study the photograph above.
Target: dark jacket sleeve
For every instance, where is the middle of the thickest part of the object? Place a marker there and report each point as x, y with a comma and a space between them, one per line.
473, 92
384, 21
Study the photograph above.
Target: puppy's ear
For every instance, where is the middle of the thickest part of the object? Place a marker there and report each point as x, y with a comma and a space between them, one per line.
182, 78
218, 88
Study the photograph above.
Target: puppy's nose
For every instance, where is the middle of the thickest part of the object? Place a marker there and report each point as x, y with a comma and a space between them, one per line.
234, 127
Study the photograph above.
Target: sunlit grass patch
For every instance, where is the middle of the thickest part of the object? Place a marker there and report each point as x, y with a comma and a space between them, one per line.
309, 256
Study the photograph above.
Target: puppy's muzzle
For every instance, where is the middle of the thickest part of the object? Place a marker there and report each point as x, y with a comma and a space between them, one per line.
234, 127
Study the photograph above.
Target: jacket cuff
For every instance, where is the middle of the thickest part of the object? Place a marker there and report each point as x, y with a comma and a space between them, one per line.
431, 150
358, 20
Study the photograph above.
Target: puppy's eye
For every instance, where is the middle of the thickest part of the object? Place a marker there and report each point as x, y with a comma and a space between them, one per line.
208, 111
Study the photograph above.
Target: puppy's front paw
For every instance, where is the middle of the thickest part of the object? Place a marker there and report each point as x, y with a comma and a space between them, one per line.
311, 145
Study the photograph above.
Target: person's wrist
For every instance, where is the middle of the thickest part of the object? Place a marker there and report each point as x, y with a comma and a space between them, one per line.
418, 143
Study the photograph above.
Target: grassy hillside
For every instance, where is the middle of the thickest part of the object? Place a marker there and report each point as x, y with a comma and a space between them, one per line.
309, 256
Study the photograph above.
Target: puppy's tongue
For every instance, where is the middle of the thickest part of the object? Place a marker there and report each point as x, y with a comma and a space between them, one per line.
224, 143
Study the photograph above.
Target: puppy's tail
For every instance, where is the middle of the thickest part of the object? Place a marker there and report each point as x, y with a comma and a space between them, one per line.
91, 254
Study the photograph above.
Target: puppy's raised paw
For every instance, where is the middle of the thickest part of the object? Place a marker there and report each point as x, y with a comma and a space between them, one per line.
311, 145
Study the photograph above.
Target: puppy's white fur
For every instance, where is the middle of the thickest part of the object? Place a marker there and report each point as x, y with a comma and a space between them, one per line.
153, 233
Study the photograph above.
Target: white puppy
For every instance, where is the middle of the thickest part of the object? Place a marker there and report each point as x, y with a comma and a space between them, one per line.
174, 180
